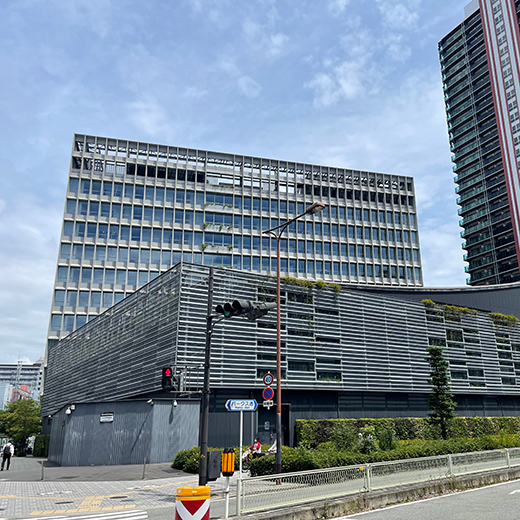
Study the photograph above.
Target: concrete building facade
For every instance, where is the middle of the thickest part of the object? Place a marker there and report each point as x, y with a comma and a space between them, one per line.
15, 375
135, 209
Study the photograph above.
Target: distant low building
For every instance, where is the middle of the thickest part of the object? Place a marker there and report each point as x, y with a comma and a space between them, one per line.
14, 375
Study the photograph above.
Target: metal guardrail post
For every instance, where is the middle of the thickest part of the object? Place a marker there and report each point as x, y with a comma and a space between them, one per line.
508, 458
239, 497
450, 465
369, 477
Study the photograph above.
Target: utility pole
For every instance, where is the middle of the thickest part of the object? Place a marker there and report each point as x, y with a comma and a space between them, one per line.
204, 418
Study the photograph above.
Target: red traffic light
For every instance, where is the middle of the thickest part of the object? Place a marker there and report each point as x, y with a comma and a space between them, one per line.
167, 372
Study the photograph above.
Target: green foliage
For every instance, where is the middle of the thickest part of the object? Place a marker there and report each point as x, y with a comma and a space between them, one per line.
367, 438
428, 303
386, 439
41, 445
344, 433
440, 400
188, 460
504, 319
321, 285
19, 421
326, 456
455, 310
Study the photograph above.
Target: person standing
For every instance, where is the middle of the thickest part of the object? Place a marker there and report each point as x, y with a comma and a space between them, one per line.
7, 453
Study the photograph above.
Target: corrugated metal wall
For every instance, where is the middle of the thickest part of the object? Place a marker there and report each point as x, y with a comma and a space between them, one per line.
139, 430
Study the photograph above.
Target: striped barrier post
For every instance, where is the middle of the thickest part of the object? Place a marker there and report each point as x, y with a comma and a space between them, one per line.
192, 503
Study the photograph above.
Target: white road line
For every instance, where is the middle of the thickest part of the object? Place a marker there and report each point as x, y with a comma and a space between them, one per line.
419, 500
118, 515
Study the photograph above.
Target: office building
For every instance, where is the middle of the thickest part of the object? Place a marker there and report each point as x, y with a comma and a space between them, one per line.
134, 209
480, 63
15, 375
346, 352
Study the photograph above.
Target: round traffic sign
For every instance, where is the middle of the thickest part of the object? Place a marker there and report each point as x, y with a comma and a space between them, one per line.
268, 393
268, 379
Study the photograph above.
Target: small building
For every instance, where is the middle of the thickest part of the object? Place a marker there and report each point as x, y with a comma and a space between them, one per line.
347, 351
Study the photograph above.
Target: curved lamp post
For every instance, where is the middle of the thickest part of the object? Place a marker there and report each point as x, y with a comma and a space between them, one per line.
277, 232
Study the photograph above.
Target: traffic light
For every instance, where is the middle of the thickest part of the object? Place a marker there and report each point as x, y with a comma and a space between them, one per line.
252, 310
169, 380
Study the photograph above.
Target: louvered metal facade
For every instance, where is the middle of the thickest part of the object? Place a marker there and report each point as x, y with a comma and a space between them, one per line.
340, 346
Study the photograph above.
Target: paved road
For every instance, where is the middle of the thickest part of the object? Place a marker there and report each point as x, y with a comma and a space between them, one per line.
499, 501
116, 492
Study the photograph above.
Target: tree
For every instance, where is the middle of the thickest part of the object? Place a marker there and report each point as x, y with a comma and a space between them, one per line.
440, 400
20, 420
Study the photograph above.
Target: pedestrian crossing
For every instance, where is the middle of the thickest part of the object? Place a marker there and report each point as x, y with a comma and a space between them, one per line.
119, 515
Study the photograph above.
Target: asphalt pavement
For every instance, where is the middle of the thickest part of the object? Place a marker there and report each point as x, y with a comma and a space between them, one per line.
88, 489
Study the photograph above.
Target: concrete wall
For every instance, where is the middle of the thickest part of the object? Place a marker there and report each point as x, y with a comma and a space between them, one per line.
139, 430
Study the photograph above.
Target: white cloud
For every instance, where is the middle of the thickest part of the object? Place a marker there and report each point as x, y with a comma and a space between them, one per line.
263, 40
348, 80
28, 261
441, 252
400, 15
249, 87
337, 7
148, 115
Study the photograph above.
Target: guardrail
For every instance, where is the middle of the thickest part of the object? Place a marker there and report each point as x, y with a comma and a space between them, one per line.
267, 492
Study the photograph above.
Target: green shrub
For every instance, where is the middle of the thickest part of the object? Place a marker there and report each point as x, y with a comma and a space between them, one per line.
327, 456
41, 445
386, 439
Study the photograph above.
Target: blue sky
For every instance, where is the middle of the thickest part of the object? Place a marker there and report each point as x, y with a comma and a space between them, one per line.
349, 83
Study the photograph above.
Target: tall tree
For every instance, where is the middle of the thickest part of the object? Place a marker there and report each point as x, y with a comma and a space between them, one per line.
20, 420
440, 400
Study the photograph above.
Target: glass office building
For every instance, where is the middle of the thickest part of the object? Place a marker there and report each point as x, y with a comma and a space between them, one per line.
134, 209
480, 74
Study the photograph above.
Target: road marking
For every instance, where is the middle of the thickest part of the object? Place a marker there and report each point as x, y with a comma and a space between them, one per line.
420, 500
120, 515
515, 491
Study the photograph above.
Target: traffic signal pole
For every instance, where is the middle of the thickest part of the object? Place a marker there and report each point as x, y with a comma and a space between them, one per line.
204, 417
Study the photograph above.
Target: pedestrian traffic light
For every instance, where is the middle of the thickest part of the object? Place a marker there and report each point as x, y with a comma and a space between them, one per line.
252, 310
169, 380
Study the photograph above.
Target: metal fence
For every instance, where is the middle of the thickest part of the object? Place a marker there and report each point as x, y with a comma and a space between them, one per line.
258, 493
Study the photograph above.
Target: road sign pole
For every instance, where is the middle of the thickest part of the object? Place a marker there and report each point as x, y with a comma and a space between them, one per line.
241, 440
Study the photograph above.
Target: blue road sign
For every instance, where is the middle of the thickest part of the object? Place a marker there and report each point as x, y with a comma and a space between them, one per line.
241, 405
268, 393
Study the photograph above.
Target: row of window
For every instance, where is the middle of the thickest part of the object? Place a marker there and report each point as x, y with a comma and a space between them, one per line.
70, 322
279, 188
158, 235
87, 298
139, 212
310, 267
146, 256
236, 221
233, 201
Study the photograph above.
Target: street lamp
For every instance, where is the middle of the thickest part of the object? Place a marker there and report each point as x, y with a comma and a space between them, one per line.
277, 232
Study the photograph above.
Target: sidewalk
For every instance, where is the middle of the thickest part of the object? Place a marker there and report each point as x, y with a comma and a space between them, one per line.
88, 489
29, 469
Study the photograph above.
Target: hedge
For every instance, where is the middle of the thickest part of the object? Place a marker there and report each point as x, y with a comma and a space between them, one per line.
344, 432
41, 445
325, 456
188, 460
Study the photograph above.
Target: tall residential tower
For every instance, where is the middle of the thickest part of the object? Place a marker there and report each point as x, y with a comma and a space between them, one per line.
133, 210
480, 73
